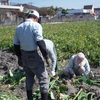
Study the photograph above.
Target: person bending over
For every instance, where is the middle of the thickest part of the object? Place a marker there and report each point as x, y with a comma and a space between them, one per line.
51, 49
78, 65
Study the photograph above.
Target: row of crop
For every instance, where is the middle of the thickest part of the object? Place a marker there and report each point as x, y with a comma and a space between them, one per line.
69, 38
74, 37
6, 37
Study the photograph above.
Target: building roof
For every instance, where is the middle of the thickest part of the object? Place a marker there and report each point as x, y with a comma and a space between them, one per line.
29, 6
12, 7
96, 8
88, 7
81, 13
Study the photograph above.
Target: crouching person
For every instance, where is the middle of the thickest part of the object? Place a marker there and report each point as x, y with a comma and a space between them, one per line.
78, 65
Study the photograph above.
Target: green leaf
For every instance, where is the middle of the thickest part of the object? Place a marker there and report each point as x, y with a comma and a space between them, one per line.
10, 73
59, 71
65, 97
62, 88
52, 95
37, 91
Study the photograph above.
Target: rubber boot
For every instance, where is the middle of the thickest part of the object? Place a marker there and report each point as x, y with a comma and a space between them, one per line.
56, 67
29, 95
44, 96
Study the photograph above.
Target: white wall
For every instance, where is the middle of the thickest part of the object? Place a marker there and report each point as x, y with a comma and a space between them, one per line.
20, 8
72, 12
77, 11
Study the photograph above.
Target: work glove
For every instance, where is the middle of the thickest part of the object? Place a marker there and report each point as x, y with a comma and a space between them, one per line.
48, 62
20, 61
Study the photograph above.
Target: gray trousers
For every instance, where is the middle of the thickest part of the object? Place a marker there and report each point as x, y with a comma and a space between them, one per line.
34, 65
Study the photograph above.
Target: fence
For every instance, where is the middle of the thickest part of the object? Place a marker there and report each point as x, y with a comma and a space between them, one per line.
67, 19
10, 21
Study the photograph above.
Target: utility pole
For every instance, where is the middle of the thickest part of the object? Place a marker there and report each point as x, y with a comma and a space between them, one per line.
31, 3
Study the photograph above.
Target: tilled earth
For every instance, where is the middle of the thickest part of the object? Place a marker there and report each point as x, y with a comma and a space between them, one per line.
9, 61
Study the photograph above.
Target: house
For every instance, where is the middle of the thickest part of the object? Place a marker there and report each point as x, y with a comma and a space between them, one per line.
89, 8
73, 12
11, 8
28, 7
86, 10
6, 12
4, 2
77, 11
97, 11
5, 5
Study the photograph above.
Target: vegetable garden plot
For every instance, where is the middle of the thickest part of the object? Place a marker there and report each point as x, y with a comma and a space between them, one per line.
60, 88
69, 38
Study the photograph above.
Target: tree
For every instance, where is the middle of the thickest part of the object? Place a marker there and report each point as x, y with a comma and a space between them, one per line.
51, 11
60, 8
19, 14
47, 11
64, 11
42, 11
56, 9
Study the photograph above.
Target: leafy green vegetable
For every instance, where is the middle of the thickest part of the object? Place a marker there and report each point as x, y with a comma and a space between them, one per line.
14, 78
88, 81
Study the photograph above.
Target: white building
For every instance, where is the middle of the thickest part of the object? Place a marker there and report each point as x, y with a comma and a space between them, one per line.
89, 8
19, 8
76, 11
4, 4
86, 10
97, 11
72, 12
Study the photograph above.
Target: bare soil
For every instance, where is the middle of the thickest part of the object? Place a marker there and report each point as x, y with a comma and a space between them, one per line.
9, 60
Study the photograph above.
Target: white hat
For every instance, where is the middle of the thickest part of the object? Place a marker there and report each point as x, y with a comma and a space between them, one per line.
81, 55
80, 59
34, 12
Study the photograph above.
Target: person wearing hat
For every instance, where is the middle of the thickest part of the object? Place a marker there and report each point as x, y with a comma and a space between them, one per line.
28, 42
51, 49
78, 65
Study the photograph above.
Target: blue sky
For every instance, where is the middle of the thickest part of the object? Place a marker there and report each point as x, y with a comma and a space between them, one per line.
76, 4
